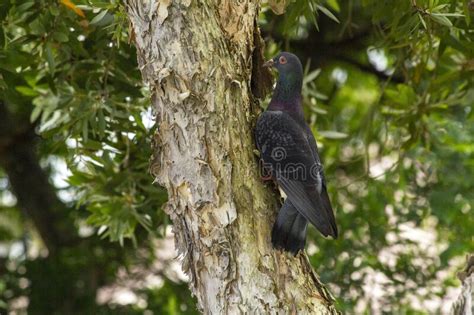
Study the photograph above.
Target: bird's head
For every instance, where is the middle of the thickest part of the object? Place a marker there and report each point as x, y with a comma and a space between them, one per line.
286, 63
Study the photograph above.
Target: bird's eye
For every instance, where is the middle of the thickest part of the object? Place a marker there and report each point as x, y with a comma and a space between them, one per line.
282, 60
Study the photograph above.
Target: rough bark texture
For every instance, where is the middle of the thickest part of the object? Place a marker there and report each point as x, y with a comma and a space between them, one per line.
464, 304
197, 58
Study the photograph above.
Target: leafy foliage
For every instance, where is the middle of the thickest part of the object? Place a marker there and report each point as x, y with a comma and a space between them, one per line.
402, 90
68, 68
82, 79
388, 91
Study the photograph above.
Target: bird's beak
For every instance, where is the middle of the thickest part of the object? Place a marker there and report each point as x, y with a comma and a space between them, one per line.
269, 63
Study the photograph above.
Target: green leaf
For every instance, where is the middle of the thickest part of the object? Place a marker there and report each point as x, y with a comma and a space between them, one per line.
449, 14
98, 17
85, 130
54, 10
78, 178
331, 134
50, 57
25, 6
334, 5
138, 120
92, 145
27, 91
35, 113
319, 110
102, 123
317, 94
37, 27
60, 37
467, 12
311, 76
404, 95
441, 19
422, 21
328, 13
439, 7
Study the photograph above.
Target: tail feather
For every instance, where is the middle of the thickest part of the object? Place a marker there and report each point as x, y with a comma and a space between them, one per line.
289, 230
308, 201
329, 212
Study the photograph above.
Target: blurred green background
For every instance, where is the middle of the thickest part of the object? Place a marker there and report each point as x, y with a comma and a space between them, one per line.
388, 91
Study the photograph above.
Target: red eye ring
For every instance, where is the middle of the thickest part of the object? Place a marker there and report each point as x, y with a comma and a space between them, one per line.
282, 60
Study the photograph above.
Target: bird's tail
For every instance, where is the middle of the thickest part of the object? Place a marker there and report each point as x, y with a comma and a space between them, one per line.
289, 230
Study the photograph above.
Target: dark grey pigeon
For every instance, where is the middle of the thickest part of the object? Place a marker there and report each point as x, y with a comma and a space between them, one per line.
290, 155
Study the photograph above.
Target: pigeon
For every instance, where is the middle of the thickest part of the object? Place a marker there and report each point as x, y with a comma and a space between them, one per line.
290, 156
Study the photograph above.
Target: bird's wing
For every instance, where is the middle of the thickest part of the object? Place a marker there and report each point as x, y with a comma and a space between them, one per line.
324, 194
327, 206
310, 204
284, 147
286, 151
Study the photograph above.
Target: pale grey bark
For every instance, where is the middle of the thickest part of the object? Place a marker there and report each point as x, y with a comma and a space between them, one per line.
196, 57
464, 304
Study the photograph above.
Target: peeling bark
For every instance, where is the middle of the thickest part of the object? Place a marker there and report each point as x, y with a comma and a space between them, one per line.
464, 304
197, 58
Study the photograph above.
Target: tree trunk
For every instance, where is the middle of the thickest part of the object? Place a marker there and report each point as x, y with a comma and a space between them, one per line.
197, 57
464, 304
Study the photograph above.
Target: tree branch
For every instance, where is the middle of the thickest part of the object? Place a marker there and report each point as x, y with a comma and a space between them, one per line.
322, 51
36, 197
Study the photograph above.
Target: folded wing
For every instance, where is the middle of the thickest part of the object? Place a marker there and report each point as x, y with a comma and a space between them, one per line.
288, 154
